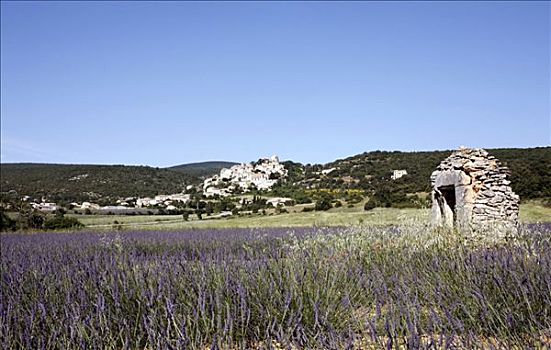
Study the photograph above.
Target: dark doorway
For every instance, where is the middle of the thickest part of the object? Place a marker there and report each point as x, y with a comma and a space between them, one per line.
448, 192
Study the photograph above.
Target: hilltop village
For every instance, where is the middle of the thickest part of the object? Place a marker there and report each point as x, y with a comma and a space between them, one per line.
240, 179
245, 186
262, 175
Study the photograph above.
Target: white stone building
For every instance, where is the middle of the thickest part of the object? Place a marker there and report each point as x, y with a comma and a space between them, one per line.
396, 174
45, 206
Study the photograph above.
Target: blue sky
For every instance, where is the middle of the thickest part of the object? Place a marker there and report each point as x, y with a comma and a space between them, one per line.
175, 82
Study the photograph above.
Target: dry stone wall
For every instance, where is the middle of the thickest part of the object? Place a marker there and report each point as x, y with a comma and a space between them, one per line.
470, 190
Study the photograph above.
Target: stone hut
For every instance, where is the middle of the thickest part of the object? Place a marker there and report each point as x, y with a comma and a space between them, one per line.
470, 191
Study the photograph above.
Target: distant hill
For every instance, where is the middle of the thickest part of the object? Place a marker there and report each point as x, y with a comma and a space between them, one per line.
202, 169
369, 172
66, 183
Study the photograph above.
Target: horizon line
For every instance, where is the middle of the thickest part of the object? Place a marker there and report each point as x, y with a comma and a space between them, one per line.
236, 162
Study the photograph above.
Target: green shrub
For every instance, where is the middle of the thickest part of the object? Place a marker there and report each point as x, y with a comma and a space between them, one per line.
30, 220
6, 223
323, 204
61, 222
371, 204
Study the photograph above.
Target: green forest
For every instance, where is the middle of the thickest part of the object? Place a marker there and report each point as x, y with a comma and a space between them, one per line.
352, 179
100, 183
370, 172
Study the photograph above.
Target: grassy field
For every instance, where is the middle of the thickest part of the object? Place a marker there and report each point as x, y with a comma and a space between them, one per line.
529, 213
535, 212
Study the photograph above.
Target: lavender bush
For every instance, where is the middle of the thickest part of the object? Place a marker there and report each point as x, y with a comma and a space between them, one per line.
370, 288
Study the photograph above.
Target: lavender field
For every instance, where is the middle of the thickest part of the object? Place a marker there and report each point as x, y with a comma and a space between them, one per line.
314, 288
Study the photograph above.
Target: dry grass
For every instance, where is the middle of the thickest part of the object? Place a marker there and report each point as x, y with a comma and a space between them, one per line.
529, 213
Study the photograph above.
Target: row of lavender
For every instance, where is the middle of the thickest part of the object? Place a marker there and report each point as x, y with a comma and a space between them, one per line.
306, 288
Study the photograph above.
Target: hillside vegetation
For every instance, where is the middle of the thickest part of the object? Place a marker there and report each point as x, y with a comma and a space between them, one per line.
202, 169
66, 183
370, 173
352, 179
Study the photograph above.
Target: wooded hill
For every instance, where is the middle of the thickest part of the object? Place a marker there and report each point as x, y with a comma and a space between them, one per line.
99, 183
371, 173
202, 169
367, 173
530, 168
